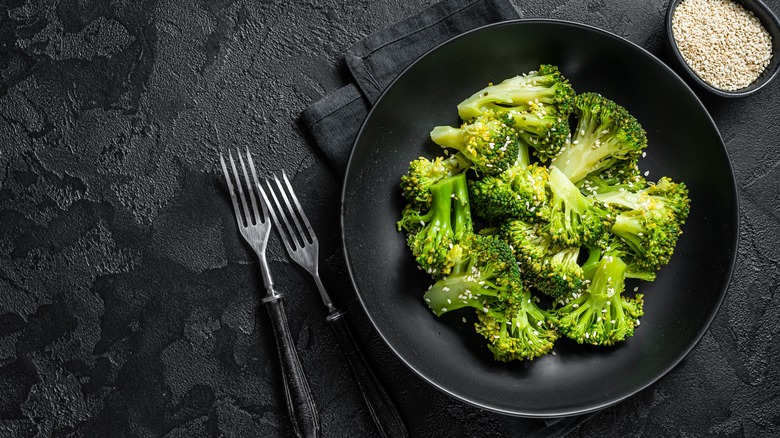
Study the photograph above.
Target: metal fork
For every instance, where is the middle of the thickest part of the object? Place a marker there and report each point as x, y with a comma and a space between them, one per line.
303, 247
256, 229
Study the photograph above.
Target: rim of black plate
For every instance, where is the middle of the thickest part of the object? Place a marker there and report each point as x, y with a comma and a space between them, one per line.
569, 412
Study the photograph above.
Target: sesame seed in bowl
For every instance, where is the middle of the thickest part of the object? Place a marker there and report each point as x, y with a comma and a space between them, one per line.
728, 47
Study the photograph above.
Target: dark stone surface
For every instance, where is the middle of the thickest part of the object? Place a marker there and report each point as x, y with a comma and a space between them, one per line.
128, 304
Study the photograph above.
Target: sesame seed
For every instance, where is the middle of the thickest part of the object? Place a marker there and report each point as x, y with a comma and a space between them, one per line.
723, 43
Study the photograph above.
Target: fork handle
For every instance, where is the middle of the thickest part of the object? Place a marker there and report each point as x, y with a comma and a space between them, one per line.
381, 408
300, 402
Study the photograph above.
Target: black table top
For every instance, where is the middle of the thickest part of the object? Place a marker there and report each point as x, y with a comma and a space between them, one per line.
129, 304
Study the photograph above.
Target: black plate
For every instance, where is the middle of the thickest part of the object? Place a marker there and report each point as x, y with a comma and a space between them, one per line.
684, 144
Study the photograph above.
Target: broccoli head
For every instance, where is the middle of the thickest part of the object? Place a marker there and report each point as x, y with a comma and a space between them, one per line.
544, 87
489, 142
624, 174
542, 129
605, 133
601, 315
423, 173
517, 329
616, 247
447, 220
651, 222
574, 218
483, 271
518, 192
551, 268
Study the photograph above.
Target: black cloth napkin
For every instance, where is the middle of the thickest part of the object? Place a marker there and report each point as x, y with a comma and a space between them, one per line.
376, 60
334, 121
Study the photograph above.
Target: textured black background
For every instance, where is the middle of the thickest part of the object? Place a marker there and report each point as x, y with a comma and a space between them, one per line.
128, 303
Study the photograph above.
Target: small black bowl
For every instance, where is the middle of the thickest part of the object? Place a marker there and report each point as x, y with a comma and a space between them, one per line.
768, 20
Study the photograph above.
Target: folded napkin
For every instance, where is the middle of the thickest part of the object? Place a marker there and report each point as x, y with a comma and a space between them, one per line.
334, 121
375, 61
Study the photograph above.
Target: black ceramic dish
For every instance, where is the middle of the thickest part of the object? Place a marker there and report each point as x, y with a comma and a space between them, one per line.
684, 144
771, 24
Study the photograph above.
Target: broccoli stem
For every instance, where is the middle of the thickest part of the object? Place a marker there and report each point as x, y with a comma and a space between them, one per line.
457, 291
571, 197
449, 137
630, 229
461, 213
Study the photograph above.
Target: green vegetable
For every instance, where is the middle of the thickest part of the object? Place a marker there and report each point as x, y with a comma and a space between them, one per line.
517, 330
483, 272
549, 267
423, 173
488, 142
538, 104
574, 218
601, 315
652, 220
606, 134
446, 222
526, 211
518, 192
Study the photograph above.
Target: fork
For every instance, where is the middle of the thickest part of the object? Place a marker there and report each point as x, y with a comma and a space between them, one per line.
255, 229
303, 247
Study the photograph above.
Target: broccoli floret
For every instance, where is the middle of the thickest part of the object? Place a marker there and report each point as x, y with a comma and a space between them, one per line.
551, 268
574, 218
423, 173
517, 329
448, 220
518, 192
601, 315
544, 130
546, 86
489, 142
652, 221
605, 134
624, 174
483, 271
615, 247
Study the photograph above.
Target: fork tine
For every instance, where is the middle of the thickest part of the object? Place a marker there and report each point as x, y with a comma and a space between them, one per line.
264, 199
288, 236
232, 191
312, 236
286, 230
252, 196
240, 190
291, 212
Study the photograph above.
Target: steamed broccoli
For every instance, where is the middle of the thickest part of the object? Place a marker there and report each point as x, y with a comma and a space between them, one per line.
543, 129
551, 268
447, 221
601, 315
546, 86
548, 196
423, 173
652, 220
574, 218
539, 104
517, 329
616, 247
483, 271
489, 142
518, 192
605, 134
624, 174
